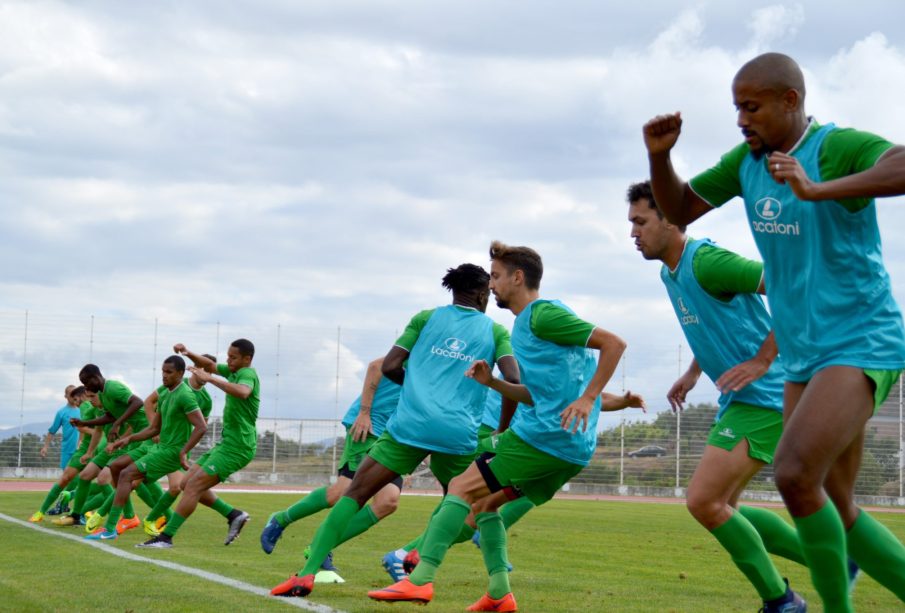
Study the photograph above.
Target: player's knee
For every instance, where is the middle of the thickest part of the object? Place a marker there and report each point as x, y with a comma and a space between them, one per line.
705, 509
385, 506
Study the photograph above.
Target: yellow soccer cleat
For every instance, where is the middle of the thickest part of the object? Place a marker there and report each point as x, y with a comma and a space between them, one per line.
94, 522
37, 517
150, 528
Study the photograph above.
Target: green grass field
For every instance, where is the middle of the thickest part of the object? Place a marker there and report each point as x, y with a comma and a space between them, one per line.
568, 556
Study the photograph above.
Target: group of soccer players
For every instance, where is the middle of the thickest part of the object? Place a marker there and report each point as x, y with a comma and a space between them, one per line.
797, 384
130, 444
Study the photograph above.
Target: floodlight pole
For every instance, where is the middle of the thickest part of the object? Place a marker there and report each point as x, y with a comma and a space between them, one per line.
679, 426
276, 405
622, 433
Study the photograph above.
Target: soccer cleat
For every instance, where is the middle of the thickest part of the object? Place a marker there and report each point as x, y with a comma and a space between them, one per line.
791, 602
294, 586
158, 542
476, 538
37, 517
160, 523
102, 534
56, 509
404, 590
486, 603
271, 534
392, 563
70, 520
150, 528
94, 521
411, 561
235, 526
328, 573
854, 572
124, 525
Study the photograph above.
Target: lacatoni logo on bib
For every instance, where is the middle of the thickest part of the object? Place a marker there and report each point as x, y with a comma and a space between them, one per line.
688, 318
769, 210
453, 348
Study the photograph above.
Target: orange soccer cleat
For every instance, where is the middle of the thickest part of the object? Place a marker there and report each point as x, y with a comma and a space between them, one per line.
486, 603
294, 586
404, 590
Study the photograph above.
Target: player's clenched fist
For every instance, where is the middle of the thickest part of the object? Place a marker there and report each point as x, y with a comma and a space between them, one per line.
662, 132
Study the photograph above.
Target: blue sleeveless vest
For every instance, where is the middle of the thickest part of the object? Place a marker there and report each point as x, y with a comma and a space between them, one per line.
440, 408
723, 334
556, 375
386, 397
829, 292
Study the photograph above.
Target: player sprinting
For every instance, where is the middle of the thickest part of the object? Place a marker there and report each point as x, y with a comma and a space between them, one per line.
239, 381
808, 191
552, 437
439, 409
714, 294
180, 424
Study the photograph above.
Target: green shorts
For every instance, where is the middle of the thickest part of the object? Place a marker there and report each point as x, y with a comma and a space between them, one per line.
759, 426
484, 432
404, 459
528, 471
223, 460
353, 453
158, 462
883, 381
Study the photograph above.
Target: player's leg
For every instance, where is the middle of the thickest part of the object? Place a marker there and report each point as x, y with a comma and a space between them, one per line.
197, 482
86, 476
719, 475
69, 473
824, 418
870, 544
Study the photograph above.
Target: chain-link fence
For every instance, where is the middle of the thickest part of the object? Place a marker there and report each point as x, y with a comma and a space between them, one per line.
318, 373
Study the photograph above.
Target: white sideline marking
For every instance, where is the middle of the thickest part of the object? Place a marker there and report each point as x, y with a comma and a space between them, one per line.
208, 576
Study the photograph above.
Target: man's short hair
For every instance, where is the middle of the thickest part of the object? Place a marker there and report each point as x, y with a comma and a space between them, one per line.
466, 278
89, 370
246, 347
525, 259
642, 189
77, 390
177, 362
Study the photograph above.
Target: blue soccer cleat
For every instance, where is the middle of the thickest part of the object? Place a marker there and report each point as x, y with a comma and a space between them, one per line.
791, 602
854, 572
392, 563
476, 538
271, 534
102, 534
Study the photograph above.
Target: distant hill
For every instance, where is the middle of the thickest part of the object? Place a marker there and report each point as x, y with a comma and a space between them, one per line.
38, 428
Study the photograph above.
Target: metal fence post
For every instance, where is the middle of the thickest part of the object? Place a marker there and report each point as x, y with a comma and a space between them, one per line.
19, 471
335, 405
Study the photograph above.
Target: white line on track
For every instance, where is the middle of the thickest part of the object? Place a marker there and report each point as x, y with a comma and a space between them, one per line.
203, 574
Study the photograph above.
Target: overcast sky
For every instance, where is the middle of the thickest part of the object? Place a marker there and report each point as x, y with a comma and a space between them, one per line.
317, 165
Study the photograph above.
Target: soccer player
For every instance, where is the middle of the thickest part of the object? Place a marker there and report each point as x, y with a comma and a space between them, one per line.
809, 194
364, 421
179, 422
70, 432
714, 294
119, 407
439, 409
552, 437
74, 464
160, 512
239, 381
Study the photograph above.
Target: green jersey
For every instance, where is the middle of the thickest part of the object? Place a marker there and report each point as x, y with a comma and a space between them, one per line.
843, 152
553, 323
115, 400
723, 274
203, 398
87, 411
173, 406
239, 416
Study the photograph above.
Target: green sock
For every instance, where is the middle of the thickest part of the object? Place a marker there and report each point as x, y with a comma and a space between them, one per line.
514, 510
493, 548
465, 534
147, 495
741, 540
81, 494
359, 523
173, 525
101, 494
51, 496
222, 507
779, 537
70, 487
878, 552
128, 509
112, 519
441, 532
822, 539
416, 543
163, 503
104, 509
329, 533
309, 505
